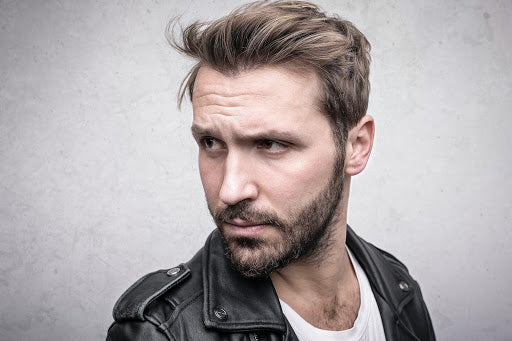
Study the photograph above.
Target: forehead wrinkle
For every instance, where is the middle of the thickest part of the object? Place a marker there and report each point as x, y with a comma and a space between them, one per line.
212, 110
250, 119
227, 94
232, 99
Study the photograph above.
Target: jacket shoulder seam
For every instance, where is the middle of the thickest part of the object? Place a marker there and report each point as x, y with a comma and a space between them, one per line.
136, 298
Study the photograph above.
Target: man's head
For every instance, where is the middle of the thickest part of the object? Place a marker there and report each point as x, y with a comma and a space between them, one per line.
279, 95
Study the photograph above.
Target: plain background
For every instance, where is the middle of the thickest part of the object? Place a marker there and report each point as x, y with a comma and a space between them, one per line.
98, 174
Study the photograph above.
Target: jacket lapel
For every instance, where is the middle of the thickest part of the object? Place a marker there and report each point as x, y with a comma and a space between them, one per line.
392, 287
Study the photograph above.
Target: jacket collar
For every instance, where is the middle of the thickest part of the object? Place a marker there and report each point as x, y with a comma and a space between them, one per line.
392, 286
233, 302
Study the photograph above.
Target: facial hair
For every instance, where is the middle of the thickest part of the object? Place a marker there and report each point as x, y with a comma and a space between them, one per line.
305, 235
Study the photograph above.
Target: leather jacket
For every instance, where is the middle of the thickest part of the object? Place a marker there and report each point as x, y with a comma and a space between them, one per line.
206, 299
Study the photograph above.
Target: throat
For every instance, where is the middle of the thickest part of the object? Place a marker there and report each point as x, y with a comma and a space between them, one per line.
338, 314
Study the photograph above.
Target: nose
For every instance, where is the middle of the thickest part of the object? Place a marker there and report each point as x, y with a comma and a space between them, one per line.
238, 183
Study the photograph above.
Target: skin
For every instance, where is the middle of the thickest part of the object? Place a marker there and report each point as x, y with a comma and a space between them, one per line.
264, 141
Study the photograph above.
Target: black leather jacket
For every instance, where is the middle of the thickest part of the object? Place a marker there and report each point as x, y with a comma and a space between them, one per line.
205, 299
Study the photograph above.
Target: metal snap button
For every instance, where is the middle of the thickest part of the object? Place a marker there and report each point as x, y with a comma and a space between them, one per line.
220, 313
403, 286
173, 271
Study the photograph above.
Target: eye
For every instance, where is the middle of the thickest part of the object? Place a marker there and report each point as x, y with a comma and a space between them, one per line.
210, 143
272, 146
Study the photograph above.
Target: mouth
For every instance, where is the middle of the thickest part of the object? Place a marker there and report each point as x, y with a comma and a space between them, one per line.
244, 228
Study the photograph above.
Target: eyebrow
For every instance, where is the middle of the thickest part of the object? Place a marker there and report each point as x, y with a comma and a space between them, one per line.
200, 131
267, 134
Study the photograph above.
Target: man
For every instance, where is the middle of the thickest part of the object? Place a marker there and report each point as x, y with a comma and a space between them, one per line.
279, 95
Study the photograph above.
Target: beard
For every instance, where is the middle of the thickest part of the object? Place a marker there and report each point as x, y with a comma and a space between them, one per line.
305, 235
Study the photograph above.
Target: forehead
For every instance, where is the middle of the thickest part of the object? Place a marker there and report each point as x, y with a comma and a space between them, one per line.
262, 94
264, 79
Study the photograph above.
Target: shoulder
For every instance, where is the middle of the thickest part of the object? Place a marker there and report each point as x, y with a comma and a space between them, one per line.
134, 301
146, 307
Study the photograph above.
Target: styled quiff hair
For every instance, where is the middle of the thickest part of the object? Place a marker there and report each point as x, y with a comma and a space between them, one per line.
290, 34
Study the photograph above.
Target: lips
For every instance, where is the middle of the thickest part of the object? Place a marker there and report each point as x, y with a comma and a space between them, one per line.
244, 228
243, 223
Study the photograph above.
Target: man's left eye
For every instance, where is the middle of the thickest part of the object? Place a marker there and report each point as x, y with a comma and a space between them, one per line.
272, 146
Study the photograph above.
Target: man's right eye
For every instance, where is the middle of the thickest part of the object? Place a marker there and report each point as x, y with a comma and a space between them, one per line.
210, 143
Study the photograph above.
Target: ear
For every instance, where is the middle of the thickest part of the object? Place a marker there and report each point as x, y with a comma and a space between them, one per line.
359, 145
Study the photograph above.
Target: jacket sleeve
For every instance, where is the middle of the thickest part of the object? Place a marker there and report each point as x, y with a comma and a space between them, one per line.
134, 331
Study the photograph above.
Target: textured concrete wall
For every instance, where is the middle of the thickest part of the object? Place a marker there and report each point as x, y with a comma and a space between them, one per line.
98, 175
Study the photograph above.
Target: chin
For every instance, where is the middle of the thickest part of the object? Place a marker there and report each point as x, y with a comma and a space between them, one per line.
253, 257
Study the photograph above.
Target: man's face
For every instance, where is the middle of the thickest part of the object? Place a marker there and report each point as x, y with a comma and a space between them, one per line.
268, 162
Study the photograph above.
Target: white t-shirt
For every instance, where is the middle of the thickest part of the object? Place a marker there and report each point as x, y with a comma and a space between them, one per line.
367, 326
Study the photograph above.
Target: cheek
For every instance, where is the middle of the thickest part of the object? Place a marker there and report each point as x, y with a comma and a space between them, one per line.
211, 178
305, 176
298, 181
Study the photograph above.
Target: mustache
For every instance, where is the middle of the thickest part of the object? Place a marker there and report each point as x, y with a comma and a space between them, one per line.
242, 210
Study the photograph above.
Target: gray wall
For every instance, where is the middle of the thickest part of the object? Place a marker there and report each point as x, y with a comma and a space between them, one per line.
98, 175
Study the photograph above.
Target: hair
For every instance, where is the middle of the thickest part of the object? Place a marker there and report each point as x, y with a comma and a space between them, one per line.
289, 34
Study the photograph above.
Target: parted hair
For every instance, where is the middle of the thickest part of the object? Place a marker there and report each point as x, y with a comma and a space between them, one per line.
290, 34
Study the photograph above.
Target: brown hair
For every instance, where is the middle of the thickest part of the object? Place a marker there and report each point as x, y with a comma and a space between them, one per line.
288, 33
